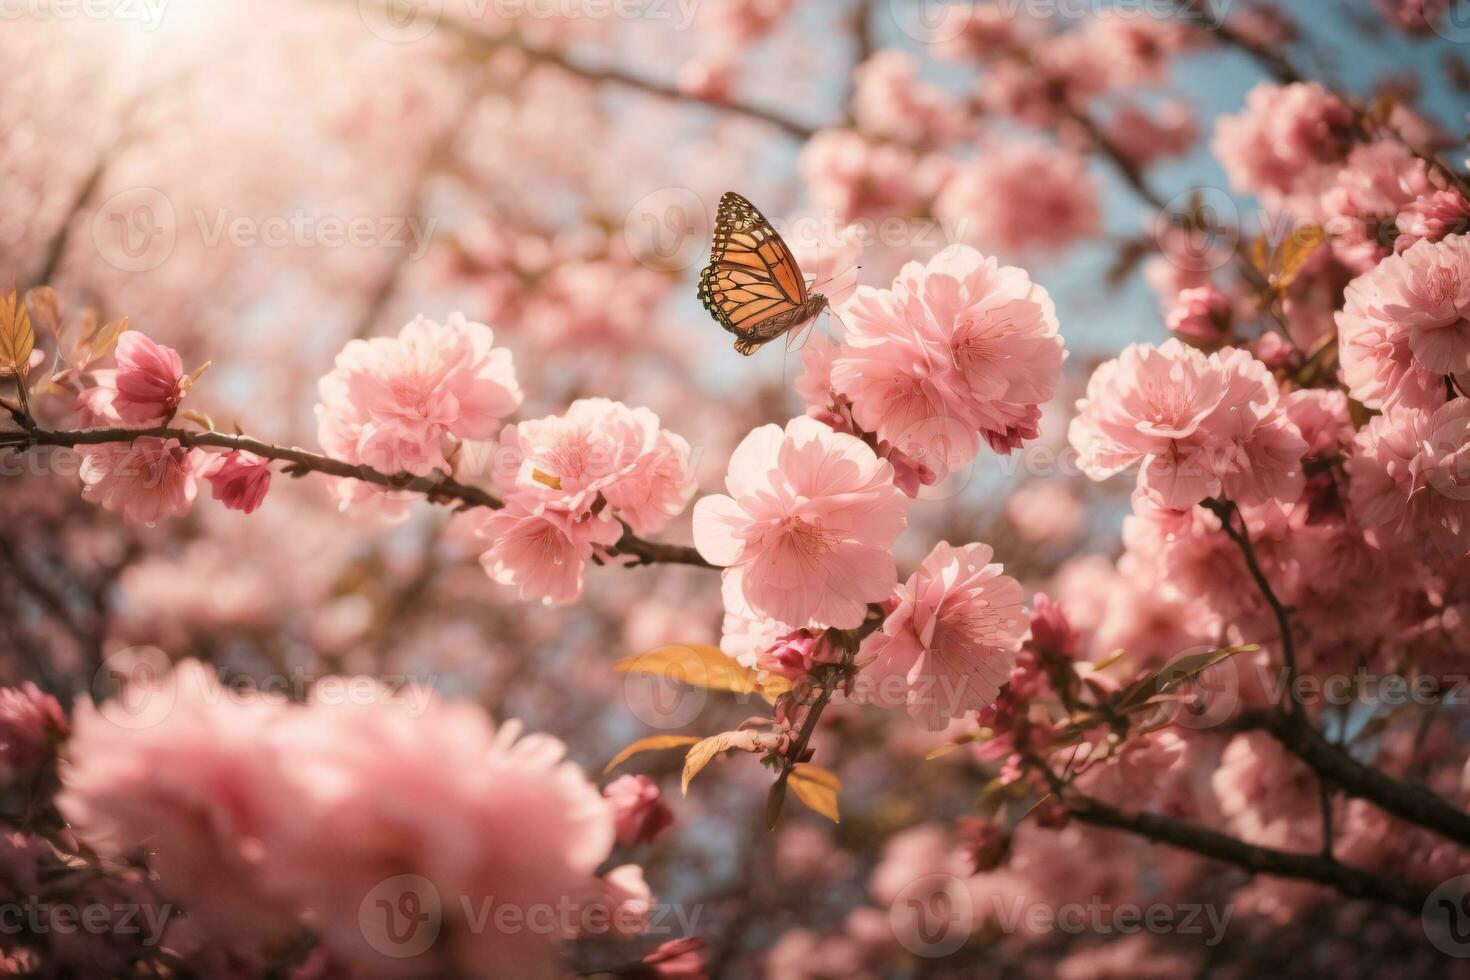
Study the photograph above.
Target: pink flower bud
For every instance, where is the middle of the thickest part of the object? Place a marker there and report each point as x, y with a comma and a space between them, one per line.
1050, 630
1201, 315
638, 809
240, 479
795, 654
149, 380
31, 723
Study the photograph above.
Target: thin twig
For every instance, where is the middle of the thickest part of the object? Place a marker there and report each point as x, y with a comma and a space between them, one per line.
1227, 511
437, 489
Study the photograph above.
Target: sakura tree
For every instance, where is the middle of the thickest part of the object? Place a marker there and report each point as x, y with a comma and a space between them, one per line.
402, 578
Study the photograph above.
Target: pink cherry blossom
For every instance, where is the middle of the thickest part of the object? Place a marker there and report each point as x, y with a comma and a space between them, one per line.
238, 478
1374, 184
953, 637
1321, 416
850, 177
1146, 138
600, 447
805, 532
1433, 216
1201, 316
1198, 424
144, 389
1040, 84
794, 654
958, 348
1021, 197
189, 772
1137, 46
400, 403
1402, 326
480, 813
1046, 512
1410, 476
542, 548
32, 724
1283, 138
146, 480
889, 101
639, 811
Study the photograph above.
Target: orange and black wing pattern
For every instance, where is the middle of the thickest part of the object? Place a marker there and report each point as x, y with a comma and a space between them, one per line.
752, 286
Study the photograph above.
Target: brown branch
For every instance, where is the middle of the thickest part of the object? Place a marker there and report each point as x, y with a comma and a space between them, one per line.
1226, 512
488, 42
1323, 870
437, 489
1411, 802
849, 641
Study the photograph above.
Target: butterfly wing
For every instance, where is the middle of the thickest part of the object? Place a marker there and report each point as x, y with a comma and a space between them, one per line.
752, 286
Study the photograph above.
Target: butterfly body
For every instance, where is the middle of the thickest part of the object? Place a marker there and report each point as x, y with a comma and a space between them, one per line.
753, 286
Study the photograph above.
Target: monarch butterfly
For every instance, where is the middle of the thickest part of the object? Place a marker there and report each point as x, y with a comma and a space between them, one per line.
752, 286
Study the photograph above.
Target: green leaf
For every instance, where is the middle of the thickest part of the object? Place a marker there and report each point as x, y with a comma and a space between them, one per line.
1141, 692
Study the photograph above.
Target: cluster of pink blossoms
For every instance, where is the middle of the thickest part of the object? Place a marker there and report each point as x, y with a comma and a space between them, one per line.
265, 818
408, 403
950, 643
1197, 425
1405, 326
569, 480
957, 350
149, 479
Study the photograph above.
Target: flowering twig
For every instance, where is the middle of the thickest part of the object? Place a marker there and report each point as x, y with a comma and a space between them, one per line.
490, 42
1279, 66
1227, 511
437, 489
848, 641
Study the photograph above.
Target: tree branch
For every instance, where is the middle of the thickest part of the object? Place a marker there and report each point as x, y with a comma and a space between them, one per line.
488, 42
1258, 860
1227, 511
437, 489
1411, 802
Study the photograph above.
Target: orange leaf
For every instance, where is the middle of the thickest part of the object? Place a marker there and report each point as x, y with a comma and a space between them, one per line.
650, 744
707, 748
17, 339
817, 788
698, 666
